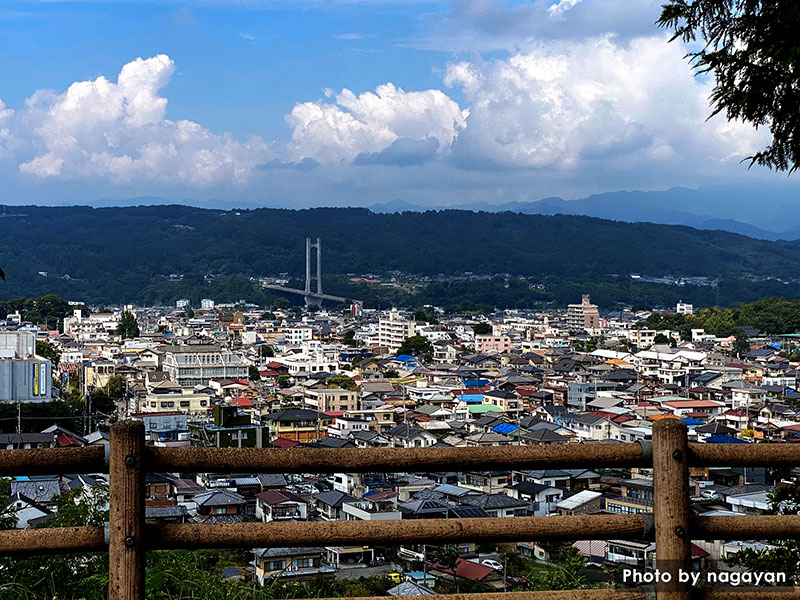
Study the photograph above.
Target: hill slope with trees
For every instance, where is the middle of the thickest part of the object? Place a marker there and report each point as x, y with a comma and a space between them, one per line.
128, 253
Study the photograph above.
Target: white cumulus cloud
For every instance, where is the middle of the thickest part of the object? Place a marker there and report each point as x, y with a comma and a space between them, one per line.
119, 131
372, 121
559, 104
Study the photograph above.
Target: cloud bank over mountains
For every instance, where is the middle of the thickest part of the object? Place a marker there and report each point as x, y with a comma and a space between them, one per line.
601, 110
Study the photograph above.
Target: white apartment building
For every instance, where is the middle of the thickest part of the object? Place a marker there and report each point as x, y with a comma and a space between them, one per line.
296, 336
684, 308
91, 327
394, 329
193, 364
206, 304
313, 359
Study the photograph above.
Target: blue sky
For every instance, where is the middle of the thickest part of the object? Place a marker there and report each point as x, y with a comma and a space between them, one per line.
353, 103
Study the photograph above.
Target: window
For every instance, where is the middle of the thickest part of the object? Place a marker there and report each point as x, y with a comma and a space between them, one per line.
185, 403
275, 565
303, 563
220, 510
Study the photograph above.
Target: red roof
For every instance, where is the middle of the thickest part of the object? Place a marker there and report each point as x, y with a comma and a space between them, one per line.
386, 495
241, 402
268, 373
526, 390
284, 443
66, 440
468, 570
276, 497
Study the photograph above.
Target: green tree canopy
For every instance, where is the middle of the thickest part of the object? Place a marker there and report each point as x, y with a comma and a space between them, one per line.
128, 327
46, 350
425, 313
751, 47
416, 345
482, 328
784, 557
342, 381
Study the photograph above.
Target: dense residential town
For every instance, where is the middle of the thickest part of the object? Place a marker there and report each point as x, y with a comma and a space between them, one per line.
286, 378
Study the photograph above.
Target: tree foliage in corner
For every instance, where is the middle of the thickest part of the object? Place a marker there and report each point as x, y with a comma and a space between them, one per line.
782, 556
751, 47
128, 327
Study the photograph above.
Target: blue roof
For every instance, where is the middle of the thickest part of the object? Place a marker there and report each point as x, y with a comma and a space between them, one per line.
475, 382
404, 357
691, 421
724, 439
472, 398
505, 428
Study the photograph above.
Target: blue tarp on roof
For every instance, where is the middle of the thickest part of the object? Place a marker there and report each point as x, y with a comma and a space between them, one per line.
724, 439
475, 382
404, 357
472, 398
691, 421
505, 428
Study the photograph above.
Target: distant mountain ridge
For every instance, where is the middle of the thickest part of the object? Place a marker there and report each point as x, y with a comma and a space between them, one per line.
710, 208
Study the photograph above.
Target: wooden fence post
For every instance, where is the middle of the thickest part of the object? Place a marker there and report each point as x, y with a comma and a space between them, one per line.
671, 507
126, 512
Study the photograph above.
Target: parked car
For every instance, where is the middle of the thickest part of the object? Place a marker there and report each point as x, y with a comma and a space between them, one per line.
492, 563
396, 577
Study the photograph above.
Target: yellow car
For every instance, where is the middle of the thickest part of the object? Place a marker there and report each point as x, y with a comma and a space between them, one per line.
395, 577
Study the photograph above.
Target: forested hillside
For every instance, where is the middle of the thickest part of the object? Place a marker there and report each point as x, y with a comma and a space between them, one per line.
126, 254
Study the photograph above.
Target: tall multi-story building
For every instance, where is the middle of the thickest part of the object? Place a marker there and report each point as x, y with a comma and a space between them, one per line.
394, 329
206, 304
24, 376
193, 364
683, 308
583, 316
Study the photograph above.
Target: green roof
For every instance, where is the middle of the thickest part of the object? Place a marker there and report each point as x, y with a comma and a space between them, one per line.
479, 409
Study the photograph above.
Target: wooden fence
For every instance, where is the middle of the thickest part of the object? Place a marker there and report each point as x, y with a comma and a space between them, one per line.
127, 537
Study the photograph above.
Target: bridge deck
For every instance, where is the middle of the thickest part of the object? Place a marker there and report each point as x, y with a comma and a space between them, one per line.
288, 290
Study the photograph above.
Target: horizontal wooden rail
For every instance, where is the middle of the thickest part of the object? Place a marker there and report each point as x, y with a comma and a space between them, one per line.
746, 527
392, 533
50, 461
746, 593
52, 540
600, 594
745, 455
92, 459
389, 460
332, 533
